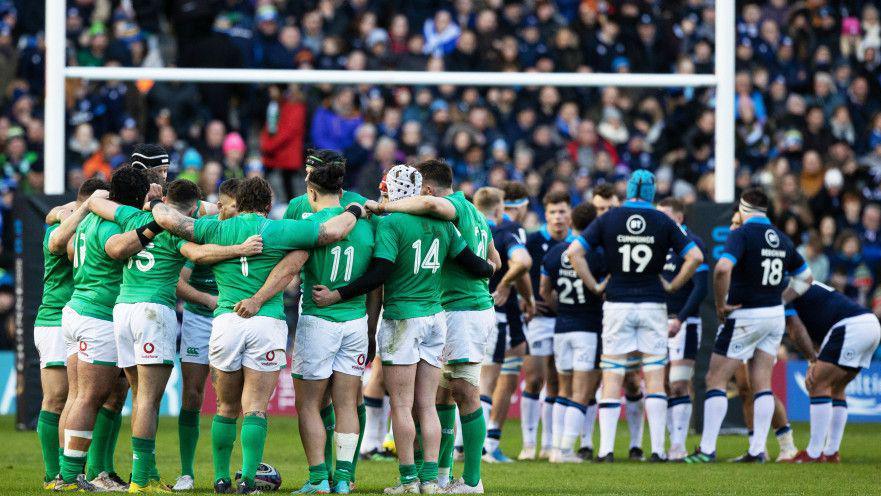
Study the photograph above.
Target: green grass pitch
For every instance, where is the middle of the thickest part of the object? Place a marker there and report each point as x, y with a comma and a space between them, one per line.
859, 474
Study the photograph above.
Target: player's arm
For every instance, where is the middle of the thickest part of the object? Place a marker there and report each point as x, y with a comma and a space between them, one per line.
187, 292
424, 205
173, 221
524, 288
721, 284
104, 208
337, 228
210, 254
799, 335
519, 263
693, 257
800, 276
281, 275
60, 212
375, 276
474, 265
63, 234
546, 290
577, 252
374, 307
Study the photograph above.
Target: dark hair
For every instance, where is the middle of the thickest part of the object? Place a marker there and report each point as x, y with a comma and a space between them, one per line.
183, 193
230, 187
254, 195
89, 186
515, 190
756, 197
556, 197
319, 158
148, 156
583, 215
605, 190
436, 172
328, 178
129, 186
155, 176
673, 204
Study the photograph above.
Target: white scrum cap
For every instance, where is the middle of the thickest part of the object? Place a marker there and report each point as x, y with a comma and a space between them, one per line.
403, 181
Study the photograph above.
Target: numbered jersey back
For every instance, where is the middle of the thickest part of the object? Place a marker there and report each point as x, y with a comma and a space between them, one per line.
577, 308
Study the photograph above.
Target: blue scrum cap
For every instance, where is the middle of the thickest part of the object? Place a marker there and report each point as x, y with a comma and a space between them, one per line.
641, 185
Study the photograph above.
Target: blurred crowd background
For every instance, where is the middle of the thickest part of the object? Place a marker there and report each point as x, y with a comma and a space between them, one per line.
808, 123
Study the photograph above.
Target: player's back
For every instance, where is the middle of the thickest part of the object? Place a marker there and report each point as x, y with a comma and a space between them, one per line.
96, 275
578, 309
336, 265
461, 291
299, 208
57, 283
419, 247
676, 301
821, 307
507, 237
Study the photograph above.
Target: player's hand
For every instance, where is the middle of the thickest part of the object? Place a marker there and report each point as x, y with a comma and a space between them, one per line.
251, 246
527, 306
501, 294
363, 210
601, 286
724, 310
809, 376
666, 285
674, 326
154, 193
373, 206
100, 193
324, 297
247, 308
212, 302
541, 306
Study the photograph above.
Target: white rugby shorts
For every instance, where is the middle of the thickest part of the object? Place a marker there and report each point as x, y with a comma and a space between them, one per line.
322, 347
146, 334
407, 341
629, 327
749, 329
195, 333
49, 341
577, 351
92, 338
468, 332
257, 343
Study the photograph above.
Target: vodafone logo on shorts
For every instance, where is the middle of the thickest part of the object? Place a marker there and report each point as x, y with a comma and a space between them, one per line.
270, 356
269, 359
149, 348
360, 362
83, 346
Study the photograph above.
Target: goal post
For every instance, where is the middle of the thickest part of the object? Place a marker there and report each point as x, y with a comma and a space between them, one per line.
723, 81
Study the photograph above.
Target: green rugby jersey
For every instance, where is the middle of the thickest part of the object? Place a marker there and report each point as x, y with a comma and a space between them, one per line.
418, 246
57, 284
299, 208
336, 265
461, 290
239, 279
96, 276
202, 278
150, 276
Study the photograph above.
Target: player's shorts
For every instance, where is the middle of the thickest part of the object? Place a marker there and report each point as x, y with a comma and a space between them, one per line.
195, 332
749, 329
146, 334
577, 351
322, 347
406, 341
257, 343
540, 336
49, 341
92, 338
629, 327
851, 342
468, 333
684, 345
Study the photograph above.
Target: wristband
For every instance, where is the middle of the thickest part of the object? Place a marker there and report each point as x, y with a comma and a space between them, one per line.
356, 210
142, 237
154, 227
154, 202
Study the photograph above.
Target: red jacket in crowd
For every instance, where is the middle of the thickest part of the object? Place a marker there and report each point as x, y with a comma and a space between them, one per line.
284, 149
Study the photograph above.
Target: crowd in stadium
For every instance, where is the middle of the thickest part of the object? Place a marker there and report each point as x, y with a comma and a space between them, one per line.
808, 123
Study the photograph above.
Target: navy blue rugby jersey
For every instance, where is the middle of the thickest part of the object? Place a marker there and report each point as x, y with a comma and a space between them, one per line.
676, 301
538, 244
578, 309
508, 237
821, 307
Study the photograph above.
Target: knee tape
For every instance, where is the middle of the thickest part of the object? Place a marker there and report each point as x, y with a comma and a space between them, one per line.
469, 372
653, 362
512, 365
614, 365
681, 373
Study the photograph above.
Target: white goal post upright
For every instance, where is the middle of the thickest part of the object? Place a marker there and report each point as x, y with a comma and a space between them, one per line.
57, 72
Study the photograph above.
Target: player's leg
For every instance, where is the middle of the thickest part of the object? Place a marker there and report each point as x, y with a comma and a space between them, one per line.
490, 371
425, 411
760, 370
258, 387
592, 385
108, 422
634, 410
619, 342
838, 421
652, 344
530, 404
400, 381
509, 378
824, 377
228, 389
68, 404
783, 432
682, 350
54, 383
195, 333
745, 392
309, 397
151, 386
720, 370
583, 362
547, 412
563, 357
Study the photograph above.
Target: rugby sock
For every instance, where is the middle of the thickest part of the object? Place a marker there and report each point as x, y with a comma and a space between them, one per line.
346, 449
493, 436
328, 417
679, 409
98, 448
529, 413
408, 474
458, 443
73, 461
836, 427
473, 433
634, 411
188, 435
573, 423
547, 422
223, 436
143, 460
785, 439
763, 410
362, 422
590, 417
609, 411
47, 432
656, 411
112, 439
253, 440
821, 419
559, 420
447, 416
374, 424
428, 472
715, 408
418, 452
318, 473
486, 403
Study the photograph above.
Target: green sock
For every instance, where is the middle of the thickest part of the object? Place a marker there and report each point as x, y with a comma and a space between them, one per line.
318, 473
408, 473
428, 472
223, 436
344, 471
362, 420
112, 439
253, 440
328, 418
71, 467
143, 460
473, 436
154, 472
101, 432
447, 416
188, 435
418, 453
47, 432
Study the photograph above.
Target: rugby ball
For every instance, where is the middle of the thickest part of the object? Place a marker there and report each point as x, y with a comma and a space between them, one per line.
266, 479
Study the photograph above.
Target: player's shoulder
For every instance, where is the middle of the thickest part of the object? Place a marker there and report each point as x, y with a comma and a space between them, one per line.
352, 197
557, 251
298, 208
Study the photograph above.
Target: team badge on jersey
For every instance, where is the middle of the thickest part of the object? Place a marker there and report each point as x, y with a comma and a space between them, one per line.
636, 224
772, 238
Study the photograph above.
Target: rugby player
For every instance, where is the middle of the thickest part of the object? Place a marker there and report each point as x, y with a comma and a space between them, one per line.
538, 366
684, 321
247, 353
748, 283
846, 335
409, 259
635, 238
577, 346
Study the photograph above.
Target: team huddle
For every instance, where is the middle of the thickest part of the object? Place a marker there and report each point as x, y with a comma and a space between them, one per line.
441, 291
